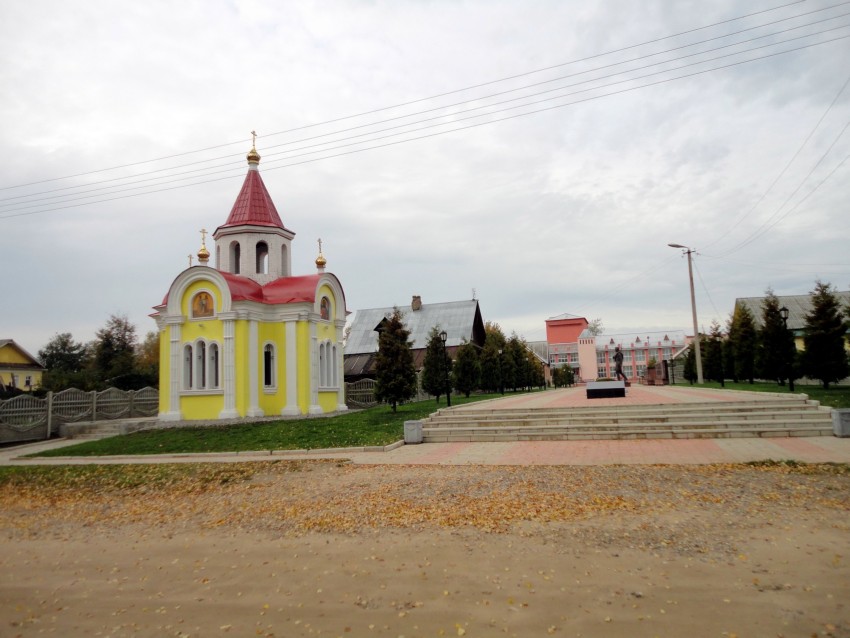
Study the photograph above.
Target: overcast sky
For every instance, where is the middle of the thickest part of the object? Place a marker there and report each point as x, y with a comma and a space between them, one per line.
568, 209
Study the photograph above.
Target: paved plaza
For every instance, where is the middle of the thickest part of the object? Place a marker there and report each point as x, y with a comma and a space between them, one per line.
602, 452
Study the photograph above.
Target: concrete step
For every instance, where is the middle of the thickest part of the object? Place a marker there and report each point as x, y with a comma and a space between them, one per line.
792, 416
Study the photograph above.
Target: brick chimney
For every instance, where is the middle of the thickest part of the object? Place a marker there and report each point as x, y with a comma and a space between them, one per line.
416, 304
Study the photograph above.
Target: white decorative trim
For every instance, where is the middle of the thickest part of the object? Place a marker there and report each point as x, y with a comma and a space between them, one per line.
315, 408
291, 408
229, 380
176, 371
253, 382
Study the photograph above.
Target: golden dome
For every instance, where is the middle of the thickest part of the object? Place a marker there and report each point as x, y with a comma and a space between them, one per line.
321, 261
203, 254
253, 156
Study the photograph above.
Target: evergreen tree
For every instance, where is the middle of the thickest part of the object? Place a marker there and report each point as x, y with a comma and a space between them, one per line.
772, 348
67, 362
713, 348
690, 368
742, 339
396, 376
492, 358
466, 371
824, 357
434, 365
516, 363
115, 349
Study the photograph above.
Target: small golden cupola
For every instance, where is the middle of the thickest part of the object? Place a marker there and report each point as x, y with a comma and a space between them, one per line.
203, 253
320, 260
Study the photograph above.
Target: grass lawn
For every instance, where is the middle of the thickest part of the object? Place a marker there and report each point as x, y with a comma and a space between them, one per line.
835, 397
375, 426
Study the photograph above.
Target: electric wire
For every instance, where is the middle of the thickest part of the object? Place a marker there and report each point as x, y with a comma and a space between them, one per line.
30, 196
266, 168
373, 111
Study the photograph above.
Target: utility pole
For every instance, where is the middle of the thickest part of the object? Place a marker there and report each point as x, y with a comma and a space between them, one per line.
687, 251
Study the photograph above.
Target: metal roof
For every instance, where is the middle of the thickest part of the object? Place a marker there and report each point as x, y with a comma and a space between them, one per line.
460, 319
798, 307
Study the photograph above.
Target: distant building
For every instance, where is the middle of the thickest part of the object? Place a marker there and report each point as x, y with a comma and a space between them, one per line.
798, 307
460, 319
18, 368
248, 338
591, 356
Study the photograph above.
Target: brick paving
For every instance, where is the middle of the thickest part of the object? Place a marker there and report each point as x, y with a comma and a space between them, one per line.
824, 449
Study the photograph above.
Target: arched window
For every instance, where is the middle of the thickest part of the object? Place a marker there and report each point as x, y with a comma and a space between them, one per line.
262, 258
268, 366
284, 262
235, 257
328, 374
212, 366
187, 367
201, 366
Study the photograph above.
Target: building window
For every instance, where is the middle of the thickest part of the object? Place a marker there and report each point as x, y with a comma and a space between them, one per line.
600, 356
601, 372
201, 366
284, 262
667, 353
328, 373
262, 258
268, 366
28, 382
640, 355
235, 257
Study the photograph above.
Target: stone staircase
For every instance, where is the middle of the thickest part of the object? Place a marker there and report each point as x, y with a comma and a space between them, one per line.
103, 429
774, 417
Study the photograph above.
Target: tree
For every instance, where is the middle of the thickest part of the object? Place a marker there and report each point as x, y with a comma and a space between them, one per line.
595, 327
396, 376
713, 362
690, 368
466, 371
492, 358
63, 354
67, 362
742, 339
773, 348
434, 365
516, 363
824, 357
115, 349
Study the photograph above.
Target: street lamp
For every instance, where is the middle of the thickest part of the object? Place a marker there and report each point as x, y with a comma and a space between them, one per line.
687, 251
501, 377
784, 312
444, 337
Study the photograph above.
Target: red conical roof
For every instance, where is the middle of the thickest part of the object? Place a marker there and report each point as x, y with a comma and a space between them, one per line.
254, 205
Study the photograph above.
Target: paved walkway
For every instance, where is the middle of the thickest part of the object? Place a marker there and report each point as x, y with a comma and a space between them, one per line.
657, 451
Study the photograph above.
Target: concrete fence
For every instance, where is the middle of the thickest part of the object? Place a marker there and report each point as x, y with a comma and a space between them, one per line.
28, 418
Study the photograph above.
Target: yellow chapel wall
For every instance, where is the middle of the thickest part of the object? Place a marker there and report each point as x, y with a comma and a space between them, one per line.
203, 404
273, 400
326, 330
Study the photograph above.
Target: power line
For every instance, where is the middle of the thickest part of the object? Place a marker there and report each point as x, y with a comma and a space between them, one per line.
30, 196
15, 212
444, 94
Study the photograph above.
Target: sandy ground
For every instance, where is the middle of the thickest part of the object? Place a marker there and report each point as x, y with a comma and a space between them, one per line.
336, 549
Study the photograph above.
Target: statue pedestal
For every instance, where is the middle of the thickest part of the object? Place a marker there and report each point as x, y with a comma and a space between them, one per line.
606, 389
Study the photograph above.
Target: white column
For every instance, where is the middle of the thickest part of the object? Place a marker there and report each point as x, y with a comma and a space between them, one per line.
175, 360
291, 408
229, 372
340, 369
315, 408
253, 375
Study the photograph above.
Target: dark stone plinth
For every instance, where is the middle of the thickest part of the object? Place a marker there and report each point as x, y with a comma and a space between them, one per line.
606, 389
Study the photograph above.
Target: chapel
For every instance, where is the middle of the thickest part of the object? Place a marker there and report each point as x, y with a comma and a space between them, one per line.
247, 337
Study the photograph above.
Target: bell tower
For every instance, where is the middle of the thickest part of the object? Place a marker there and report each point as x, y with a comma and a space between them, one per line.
253, 242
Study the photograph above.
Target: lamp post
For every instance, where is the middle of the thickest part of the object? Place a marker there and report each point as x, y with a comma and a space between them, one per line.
688, 251
501, 377
784, 312
444, 337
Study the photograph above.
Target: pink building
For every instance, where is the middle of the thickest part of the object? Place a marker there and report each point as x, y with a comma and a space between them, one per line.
591, 356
